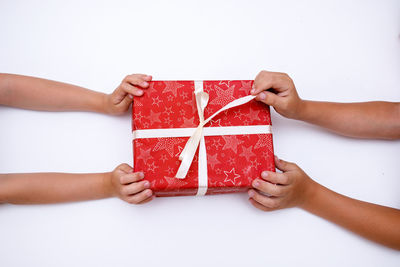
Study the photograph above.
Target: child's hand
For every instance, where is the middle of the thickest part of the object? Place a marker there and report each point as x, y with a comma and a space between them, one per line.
118, 102
291, 188
128, 186
277, 89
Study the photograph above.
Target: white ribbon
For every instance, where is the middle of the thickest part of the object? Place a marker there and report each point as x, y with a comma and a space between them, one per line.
197, 135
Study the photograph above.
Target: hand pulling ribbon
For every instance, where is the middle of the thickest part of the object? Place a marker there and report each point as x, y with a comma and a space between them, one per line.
197, 138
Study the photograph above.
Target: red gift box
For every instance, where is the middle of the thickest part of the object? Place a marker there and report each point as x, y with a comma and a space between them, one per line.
166, 116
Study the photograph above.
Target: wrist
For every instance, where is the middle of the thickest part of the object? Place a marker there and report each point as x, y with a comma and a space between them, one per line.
108, 187
301, 110
103, 104
310, 193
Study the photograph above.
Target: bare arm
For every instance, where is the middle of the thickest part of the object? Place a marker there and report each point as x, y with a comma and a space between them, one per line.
294, 188
375, 222
40, 188
365, 120
40, 94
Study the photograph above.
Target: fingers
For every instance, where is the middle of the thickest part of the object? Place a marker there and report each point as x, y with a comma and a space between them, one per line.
140, 80
131, 178
147, 200
259, 206
268, 98
134, 188
125, 168
131, 90
276, 178
140, 198
263, 81
270, 188
268, 202
285, 165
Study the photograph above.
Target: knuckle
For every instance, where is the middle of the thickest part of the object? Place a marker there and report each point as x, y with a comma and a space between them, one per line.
274, 204
122, 179
124, 191
284, 179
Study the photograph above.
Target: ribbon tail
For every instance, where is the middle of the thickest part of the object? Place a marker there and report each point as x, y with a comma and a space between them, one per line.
188, 153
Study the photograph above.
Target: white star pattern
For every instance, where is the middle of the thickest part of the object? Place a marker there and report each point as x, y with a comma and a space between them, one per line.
170, 98
137, 104
184, 95
227, 83
144, 155
223, 96
246, 87
212, 160
254, 164
231, 176
179, 151
247, 153
167, 144
151, 167
167, 120
168, 111
163, 158
154, 117
172, 87
174, 183
247, 170
215, 122
157, 101
139, 116
231, 142
188, 122
254, 114
216, 143
170, 170
261, 142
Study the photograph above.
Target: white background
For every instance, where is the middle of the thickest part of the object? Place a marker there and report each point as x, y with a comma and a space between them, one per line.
334, 50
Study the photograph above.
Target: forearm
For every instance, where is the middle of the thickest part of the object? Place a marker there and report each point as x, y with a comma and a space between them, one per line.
41, 94
377, 223
365, 120
37, 188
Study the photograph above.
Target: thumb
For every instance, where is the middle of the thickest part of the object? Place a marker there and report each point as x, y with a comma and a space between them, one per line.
284, 165
268, 98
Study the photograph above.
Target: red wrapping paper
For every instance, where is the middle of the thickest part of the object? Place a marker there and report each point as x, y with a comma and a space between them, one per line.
233, 161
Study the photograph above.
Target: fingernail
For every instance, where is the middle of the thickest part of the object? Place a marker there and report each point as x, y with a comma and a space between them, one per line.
146, 184
264, 174
141, 175
149, 193
145, 83
256, 183
251, 193
139, 92
262, 96
130, 96
253, 91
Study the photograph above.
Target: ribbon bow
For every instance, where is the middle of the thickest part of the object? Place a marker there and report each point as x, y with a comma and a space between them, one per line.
187, 154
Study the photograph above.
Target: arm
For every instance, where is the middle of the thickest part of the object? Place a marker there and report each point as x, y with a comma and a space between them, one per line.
40, 94
294, 188
365, 120
40, 188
